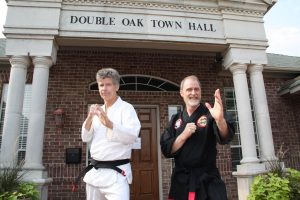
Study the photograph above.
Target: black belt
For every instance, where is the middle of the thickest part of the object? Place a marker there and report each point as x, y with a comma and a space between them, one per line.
101, 164
110, 165
194, 178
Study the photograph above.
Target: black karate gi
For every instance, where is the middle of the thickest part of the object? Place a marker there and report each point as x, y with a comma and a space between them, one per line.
195, 171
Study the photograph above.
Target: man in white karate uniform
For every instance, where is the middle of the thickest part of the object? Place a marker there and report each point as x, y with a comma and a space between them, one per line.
112, 129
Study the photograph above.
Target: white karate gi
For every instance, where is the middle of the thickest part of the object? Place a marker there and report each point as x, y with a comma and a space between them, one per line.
109, 145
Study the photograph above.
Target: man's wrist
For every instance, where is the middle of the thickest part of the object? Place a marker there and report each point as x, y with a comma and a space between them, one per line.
221, 122
90, 117
182, 137
110, 125
222, 126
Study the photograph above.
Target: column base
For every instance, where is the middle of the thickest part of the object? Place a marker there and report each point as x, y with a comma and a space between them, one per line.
267, 159
245, 174
250, 160
40, 178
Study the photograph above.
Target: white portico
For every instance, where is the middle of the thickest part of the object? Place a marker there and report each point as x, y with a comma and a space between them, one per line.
36, 28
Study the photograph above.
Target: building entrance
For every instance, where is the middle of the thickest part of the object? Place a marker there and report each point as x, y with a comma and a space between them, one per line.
144, 160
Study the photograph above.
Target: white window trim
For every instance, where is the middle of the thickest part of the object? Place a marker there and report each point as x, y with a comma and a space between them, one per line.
23, 124
237, 134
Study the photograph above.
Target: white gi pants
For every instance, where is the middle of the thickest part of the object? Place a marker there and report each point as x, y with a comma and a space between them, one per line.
107, 184
117, 191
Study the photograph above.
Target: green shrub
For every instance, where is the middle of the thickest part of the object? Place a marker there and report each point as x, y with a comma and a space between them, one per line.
278, 184
12, 187
25, 190
10, 178
270, 187
294, 178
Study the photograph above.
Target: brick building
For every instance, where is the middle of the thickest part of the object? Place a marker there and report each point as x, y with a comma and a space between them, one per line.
53, 49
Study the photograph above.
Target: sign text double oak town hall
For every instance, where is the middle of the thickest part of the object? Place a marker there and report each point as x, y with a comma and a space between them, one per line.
143, 22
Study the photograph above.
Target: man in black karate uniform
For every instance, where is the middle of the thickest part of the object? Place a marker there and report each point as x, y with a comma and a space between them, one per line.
191, 138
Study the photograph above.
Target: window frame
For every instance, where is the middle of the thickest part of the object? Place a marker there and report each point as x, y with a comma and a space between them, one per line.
234, 112
134, 83
22, 138
170, 114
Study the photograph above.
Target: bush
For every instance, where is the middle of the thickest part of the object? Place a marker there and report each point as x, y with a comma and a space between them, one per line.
12, 187
269, 187
294, 178
10, 178
278, 184
24, 191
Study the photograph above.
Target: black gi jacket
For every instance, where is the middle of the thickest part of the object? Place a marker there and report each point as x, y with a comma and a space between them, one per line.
195, 162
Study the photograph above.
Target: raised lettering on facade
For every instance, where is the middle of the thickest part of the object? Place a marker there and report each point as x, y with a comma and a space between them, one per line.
140, 23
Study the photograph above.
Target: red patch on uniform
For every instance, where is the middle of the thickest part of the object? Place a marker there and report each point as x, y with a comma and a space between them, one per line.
202, 121
178, 123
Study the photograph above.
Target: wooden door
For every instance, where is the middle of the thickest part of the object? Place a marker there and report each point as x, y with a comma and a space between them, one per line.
144, 160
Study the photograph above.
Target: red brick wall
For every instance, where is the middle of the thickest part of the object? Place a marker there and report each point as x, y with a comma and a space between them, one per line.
68, 89
285, 121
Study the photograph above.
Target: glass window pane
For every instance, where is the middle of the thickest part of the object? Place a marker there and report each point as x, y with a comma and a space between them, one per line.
236, 155
2, 110
24, 118
173, 109
230, 104
21, 156
94, 87
236, 148
143, 87
156, 82
129, 79
143, 80
169, 87
229, 94
236, 140
128, 87
142, 83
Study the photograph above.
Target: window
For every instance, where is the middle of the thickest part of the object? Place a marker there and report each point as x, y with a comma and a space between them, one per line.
142, 83
88, 144
172, 110
88, 155
236, 148
24, 119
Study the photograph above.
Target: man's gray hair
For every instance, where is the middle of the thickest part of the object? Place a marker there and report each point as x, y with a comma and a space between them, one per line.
193, 77
109, 73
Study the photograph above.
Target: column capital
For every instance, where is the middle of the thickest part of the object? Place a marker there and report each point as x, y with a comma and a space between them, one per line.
42, 61
19, 61
255, 68
238, 68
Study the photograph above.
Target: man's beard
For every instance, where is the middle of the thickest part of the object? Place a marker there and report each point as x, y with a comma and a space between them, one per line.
194, 102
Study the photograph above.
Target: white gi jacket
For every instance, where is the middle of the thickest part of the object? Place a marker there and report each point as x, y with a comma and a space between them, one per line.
112, 144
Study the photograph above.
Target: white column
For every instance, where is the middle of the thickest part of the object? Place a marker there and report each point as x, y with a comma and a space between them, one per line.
244, 113
13, 111
34, 148
262, 113
250, 163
